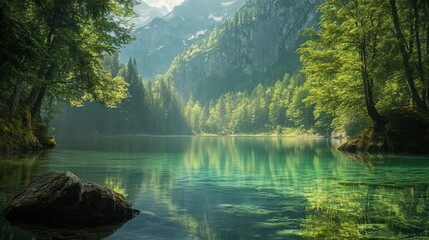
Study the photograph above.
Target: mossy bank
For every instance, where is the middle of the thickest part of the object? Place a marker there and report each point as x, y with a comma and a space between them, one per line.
22, 134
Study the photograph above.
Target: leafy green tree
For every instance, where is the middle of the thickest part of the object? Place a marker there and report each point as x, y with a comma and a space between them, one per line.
277, 108
343, 58
76, 34
259, 108
20, 52
265, 109
194, 115
133, 108
298, 112
409, 44
167, 112
54, 50
366, 62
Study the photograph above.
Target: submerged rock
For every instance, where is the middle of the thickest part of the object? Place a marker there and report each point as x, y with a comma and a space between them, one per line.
61, 198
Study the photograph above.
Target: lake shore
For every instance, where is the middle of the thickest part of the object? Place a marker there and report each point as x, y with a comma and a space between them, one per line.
404, 131
287, 132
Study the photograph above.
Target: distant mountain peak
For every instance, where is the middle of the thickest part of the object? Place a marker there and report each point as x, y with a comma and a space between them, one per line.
165, 5
145, 14
186, 24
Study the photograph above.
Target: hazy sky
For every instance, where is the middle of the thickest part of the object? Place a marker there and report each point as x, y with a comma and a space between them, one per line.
169, 4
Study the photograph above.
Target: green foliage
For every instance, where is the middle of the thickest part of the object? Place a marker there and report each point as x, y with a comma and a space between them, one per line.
151, 108
366, 58
278, 109
17, 136
166, 108
353, 62
53, 50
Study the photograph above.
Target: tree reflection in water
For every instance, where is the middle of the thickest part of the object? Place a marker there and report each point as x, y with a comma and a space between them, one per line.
384, 202
372, 201
16, 172
242, 187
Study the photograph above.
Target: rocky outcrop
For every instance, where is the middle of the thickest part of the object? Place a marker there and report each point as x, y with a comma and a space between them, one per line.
61, 198
257, 46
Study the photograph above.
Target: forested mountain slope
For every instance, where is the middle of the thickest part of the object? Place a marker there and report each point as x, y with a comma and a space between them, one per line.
159, 42
257, 46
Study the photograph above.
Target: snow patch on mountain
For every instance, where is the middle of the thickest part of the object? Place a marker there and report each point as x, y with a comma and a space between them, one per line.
197, 34
225, 4
160, 47
217, 18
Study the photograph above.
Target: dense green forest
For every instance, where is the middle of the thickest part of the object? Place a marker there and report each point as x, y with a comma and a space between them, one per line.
278, 109
52, 51
366, 65
264, 106
370, 59
364, 73
151, 108
283, 119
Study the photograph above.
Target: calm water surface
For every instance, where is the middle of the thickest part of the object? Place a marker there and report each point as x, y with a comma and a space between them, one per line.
240, 187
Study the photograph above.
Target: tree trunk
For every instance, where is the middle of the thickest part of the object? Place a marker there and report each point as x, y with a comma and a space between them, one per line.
367, 85
411, 33
14, 100
417, 100
47, 76
369, 100
33, 96
35, 109
420, 67
426, 13
36, 89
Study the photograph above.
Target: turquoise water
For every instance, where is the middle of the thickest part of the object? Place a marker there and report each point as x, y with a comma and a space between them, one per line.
240, 187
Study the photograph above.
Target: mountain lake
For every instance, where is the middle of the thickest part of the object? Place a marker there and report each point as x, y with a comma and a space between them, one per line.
237, 187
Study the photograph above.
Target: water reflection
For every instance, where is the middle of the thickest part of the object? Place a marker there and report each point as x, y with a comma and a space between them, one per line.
366, 160
371, 196
40, 232
276, 159
15, 173
367, 210
243, 187
262, 180
389, 200
126, 143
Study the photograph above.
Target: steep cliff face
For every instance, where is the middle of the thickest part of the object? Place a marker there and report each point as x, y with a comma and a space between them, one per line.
257, 46
160, 41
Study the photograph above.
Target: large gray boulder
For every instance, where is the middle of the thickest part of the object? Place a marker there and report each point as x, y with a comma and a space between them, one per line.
61, 198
